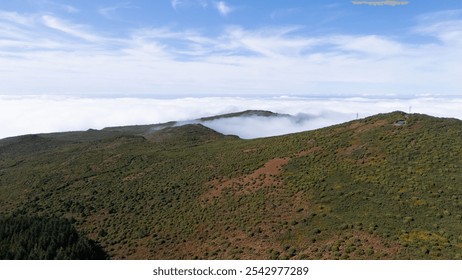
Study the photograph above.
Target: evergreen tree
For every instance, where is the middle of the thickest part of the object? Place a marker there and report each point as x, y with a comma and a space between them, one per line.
41, 238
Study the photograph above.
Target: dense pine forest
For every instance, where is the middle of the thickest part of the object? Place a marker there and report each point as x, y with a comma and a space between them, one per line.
39, 238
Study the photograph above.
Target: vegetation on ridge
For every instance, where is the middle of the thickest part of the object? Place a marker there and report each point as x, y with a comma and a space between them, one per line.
374, 188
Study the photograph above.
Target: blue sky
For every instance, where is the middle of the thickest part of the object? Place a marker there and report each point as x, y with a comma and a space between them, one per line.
169, 48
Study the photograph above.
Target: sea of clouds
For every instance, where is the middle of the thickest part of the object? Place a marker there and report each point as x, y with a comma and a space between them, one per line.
40, 114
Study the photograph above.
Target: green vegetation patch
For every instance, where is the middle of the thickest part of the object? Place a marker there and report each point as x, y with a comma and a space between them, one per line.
40, 238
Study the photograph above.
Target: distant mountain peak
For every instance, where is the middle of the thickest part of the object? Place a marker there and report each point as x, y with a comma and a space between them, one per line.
246, 113
185, 134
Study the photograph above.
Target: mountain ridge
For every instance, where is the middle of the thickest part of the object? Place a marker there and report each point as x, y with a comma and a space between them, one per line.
373, 188
141, 130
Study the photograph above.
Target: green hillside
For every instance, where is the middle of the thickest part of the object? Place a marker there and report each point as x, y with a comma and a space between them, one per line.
384, 187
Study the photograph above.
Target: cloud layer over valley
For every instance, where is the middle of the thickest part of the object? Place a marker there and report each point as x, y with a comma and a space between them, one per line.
39, 114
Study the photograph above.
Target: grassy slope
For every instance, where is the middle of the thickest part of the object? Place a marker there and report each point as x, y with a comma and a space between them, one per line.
367, 189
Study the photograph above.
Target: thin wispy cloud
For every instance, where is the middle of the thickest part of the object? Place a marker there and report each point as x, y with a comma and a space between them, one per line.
176, 3
71, 9
370, 44
223, 8
68, 28
110, 12
277, 43
16, 18
444, 25
283, 13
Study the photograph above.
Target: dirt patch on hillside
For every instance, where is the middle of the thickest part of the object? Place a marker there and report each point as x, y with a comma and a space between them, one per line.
262, 177
234, 244
250, 150
348, 151
133, 177
354, 244
308, 152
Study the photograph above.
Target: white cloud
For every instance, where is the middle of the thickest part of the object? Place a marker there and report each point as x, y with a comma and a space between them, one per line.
283, 13
369, 44
68, 28
57, 56
223, 8
110, 12
36, 114
257, 127
273, 43
444, 25
448, 32
70, 9
16, 18
176, 3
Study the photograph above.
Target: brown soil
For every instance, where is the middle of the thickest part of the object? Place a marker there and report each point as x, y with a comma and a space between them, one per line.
234, 243
262, 177
309, 152
354, 244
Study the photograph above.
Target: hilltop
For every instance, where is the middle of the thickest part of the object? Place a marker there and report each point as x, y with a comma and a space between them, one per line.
383, 187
